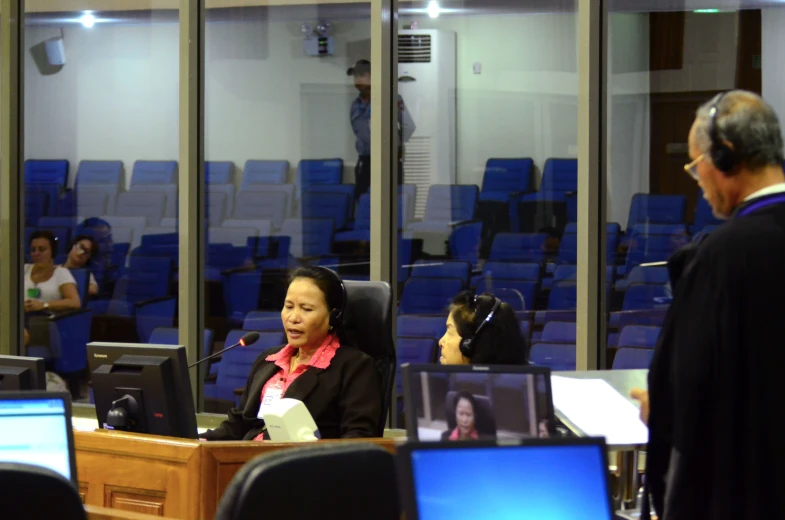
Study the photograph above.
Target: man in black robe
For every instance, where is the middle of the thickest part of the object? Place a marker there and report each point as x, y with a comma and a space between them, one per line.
716, 450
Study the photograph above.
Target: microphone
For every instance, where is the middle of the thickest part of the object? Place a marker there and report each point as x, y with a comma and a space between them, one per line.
249, 339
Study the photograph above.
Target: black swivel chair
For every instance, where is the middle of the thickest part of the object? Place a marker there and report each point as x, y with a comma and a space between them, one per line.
355, 481
36, 492
369, 320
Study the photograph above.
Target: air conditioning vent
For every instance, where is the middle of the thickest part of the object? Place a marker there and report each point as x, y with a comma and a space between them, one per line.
414, 48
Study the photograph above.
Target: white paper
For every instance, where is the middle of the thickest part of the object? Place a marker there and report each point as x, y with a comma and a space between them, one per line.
597, 409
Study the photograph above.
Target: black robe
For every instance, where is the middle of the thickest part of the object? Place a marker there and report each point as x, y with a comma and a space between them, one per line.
717, 377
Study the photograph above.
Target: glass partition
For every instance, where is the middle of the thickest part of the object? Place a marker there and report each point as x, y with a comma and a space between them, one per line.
101, 175
663, 65
287, 135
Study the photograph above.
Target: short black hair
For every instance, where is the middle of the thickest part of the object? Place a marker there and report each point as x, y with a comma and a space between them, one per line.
463, 394
501, 341
361, 68
49, 236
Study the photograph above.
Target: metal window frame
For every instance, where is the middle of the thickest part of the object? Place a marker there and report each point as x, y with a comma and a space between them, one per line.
12, 183
191, 191
592, 160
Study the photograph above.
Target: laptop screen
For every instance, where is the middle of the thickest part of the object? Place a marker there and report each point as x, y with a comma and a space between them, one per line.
477, 402
35, 428
559, 481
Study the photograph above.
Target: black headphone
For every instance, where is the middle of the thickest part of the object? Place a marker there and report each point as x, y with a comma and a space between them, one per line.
336, 315
467, 344
722, 155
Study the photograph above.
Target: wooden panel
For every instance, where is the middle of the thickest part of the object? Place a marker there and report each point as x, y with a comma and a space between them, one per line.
102, 513
83, 491
134, 499
666, 40
143, 473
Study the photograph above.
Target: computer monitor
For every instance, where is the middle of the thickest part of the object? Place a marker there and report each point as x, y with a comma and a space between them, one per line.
142, 388
22, 373
35, 428
522, 480
460, 402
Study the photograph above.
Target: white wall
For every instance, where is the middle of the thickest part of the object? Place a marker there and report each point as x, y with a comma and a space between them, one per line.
773, 49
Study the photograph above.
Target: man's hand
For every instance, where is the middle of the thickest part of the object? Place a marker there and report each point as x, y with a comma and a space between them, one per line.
642, 396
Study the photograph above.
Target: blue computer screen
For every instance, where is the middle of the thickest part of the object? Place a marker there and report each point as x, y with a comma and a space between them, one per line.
34, 431
511, 482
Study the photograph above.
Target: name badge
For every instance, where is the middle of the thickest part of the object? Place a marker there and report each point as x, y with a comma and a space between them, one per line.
33, 293
271, 396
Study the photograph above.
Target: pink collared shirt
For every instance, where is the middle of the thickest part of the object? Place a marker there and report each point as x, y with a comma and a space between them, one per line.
456, 434
282, 359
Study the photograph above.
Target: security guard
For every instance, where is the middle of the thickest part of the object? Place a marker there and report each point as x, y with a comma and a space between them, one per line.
360, 118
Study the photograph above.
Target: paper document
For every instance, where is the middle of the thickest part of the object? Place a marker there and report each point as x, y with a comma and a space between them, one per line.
597, 409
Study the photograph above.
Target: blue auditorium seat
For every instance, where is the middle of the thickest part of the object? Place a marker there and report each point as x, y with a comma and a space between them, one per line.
638, 336
511, 270
54, 172
632, 358
171, 335
318, 171
236, 236
362, 218
323, 205
651, 248
653, 274
68, 334
219, 178
518, 247
559, 332
106, 176
261, 205
464, 242
428, 296
309, 237
36, 206
415, 351
57, 222
150, 205
554, 355
519, 294
258, 174
504, 177
656, 209
263, 321
659, 229
533, 211
328, 189
562, 302
447, 205
216, 207
414, 326
442, 269
157, 176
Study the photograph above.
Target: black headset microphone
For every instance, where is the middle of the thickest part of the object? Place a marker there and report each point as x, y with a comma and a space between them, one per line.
467, 344
248, 339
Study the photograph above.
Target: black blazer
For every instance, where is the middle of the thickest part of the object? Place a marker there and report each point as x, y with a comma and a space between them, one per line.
345, 399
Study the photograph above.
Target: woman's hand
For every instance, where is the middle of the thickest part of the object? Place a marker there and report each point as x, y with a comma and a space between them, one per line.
34, 306
642, 396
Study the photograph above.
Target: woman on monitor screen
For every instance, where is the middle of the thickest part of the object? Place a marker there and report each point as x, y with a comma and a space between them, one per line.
464, 413
339, 384
483, 330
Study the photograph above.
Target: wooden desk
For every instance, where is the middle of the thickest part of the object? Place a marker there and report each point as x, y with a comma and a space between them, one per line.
103, 513
163, 476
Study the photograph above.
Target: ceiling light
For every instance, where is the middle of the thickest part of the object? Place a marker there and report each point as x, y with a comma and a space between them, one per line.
433, 9
88, 20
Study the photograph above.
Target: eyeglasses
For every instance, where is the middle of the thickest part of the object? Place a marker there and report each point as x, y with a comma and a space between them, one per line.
692, 168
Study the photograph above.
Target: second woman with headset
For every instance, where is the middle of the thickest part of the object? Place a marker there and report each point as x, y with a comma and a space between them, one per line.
339, 384
481, 329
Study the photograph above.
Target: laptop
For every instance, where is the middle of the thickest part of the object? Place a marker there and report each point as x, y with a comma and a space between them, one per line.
477, 402
558, 479
35, 428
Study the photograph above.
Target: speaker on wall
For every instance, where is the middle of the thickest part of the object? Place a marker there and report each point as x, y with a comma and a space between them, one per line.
55, 51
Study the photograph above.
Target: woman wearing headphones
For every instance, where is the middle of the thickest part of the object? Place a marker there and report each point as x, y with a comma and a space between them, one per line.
339, 385
482, 330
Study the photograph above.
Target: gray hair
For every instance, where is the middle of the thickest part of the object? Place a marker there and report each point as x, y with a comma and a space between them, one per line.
748, 123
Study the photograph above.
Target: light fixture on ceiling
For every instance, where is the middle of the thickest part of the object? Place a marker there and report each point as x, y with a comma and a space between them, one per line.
433, 9
87, 20
706, 11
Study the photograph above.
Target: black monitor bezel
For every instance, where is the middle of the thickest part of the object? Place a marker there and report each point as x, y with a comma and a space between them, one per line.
37, 368
177, 355
409, 371
406, 477
65, 397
